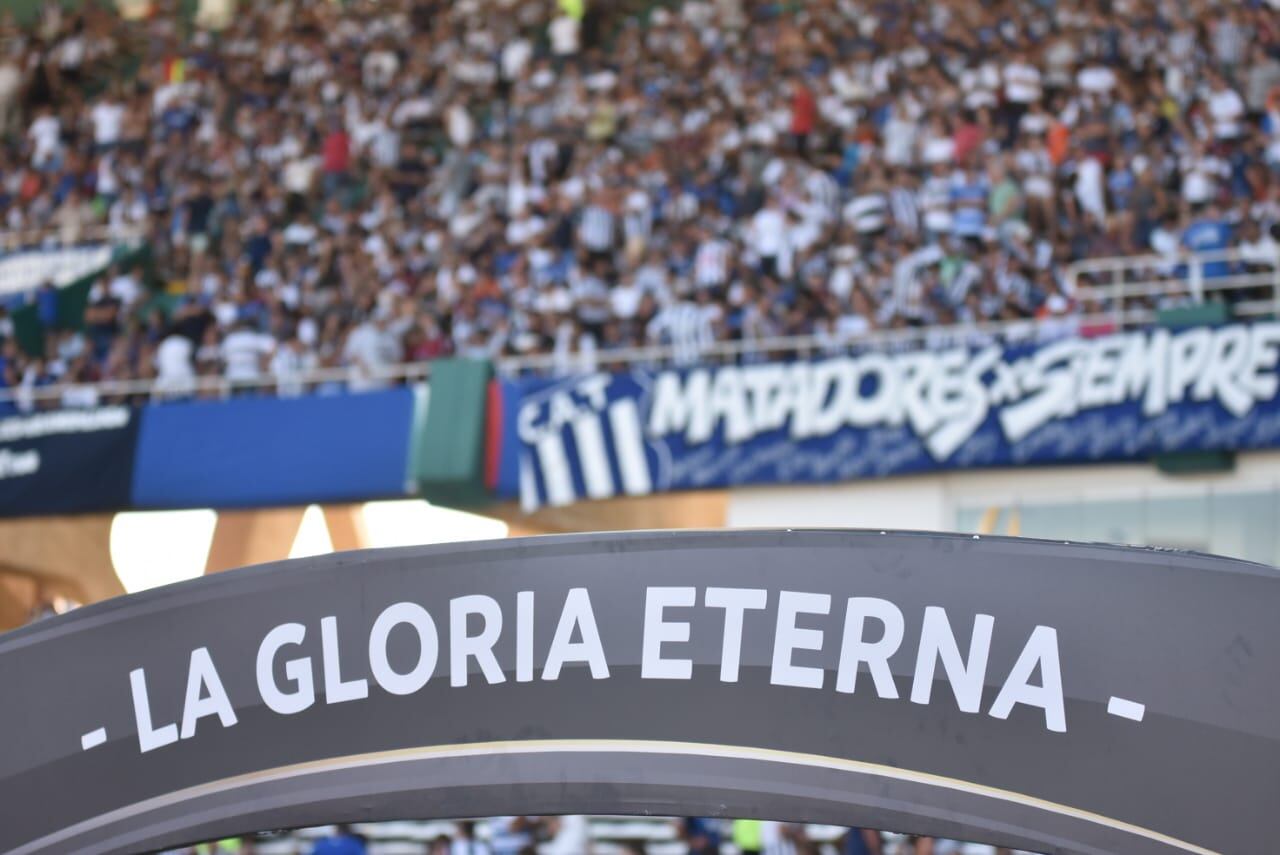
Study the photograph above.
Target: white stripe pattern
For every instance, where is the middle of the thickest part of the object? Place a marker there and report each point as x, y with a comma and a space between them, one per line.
556, 475
628, 443
593, 458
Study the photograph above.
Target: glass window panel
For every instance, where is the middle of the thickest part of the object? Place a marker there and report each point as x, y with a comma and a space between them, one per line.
1243, 525
1178, 522
1111, 521
1056, 521
967, 519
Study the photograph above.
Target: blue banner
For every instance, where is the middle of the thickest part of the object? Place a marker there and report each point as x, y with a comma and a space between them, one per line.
1120, 397
67, 461
256, 452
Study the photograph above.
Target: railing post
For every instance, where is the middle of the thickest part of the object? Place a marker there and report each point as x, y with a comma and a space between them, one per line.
1197, 278
1117, 297
1275, 284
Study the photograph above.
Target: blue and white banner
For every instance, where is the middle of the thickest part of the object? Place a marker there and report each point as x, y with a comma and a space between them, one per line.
1120, 397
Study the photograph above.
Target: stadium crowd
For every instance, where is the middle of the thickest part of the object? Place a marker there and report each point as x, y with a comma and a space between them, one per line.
568, 835
356, 185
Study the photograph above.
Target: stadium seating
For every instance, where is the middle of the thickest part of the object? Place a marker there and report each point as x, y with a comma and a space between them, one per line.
348, 188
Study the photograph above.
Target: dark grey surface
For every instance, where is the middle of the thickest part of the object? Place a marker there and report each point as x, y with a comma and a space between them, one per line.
1195, 638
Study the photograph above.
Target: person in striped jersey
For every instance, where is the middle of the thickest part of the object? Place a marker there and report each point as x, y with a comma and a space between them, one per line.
597, 232
687, 326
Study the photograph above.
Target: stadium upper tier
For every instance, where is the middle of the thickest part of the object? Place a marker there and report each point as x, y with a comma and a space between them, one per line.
323, 190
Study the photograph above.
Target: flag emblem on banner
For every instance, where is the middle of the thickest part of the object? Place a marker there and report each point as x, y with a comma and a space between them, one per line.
598, 454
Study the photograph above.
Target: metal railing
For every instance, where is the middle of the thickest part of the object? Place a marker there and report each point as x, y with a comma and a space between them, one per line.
909, 338
205, 387
57, 237
1127, 292
1251, 281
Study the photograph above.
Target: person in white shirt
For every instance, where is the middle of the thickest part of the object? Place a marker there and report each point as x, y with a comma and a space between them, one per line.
1021, 90
637, 224
459, 125
370, 350
175, 373
1227, 109
569, 836
107, 117
515, 57
1021, 81
624, 299
979, 85
1096, 80
711, 262
574, 351
465, 842
768, 235
1257, 246
379, 68
45, 134
244, 352
290, 363
128, 214
10, 89
1201, 172
780, 838
899, 136
1057, 323
565, 33
124, 286
299, 174
937, 144
301, 232
1090, 188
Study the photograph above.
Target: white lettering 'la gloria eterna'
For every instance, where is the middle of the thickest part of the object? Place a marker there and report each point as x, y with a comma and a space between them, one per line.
288, 675
944, 396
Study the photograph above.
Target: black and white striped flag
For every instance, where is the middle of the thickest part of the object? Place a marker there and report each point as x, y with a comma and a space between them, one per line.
595, 455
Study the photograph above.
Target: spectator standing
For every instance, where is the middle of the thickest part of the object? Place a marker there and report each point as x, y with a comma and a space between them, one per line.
702, 834
343, 841
175, 368
465, 842
244, 353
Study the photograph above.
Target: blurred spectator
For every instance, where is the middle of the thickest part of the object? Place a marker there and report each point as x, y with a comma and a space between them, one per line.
353, 186
702, 835
863, 841
343, 841
568, 835
465, 842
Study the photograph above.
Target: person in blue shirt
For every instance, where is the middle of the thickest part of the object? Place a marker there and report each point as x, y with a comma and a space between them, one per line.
343, 841
969, 204
47, 306
702, 835
862, 841
1121, 183
1209, 232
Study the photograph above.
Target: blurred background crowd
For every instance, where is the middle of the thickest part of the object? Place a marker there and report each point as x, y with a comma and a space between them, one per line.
358, 185
581, 835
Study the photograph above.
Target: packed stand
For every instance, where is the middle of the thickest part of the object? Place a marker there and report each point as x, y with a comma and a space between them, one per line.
574, 835
355, 186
